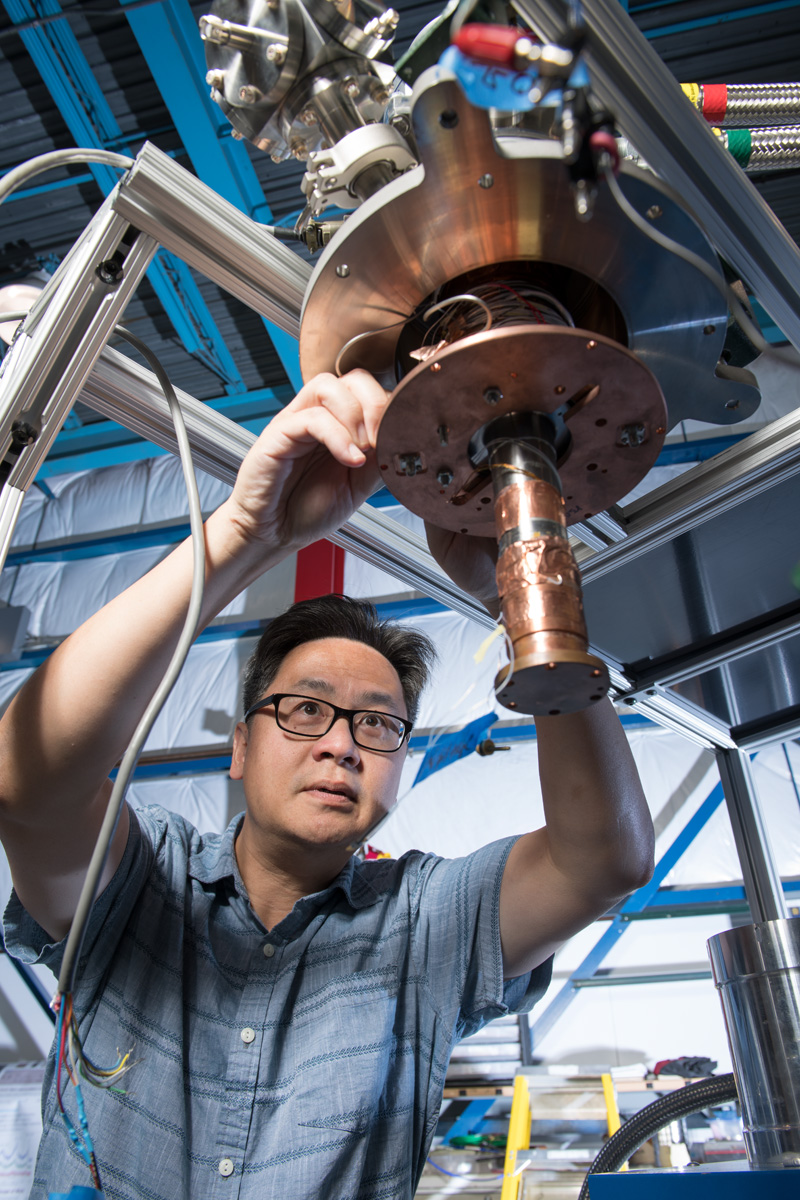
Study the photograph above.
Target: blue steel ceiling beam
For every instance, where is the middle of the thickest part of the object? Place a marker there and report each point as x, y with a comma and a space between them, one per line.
69, 79
170, 42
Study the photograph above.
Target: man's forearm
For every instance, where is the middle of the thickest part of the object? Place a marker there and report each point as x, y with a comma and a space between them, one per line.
599, 829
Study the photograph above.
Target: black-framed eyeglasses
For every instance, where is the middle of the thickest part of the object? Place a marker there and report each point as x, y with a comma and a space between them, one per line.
309, 717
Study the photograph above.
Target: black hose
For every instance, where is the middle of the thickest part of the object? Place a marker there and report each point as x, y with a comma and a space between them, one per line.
718, 1089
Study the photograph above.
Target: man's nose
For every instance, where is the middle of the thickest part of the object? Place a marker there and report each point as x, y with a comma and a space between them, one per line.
339, 739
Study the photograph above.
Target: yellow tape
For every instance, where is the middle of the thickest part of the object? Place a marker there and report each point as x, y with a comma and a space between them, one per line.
480, 653
692, 91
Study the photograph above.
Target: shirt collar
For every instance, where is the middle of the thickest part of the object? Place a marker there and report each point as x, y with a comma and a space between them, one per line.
214, 860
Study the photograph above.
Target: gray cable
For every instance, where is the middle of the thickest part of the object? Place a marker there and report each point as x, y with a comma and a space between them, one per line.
59, 158
77, 931
749, 328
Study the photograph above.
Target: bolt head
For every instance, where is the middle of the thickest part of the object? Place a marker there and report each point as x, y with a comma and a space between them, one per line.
486, 181
308, 117
444, 477
492, 396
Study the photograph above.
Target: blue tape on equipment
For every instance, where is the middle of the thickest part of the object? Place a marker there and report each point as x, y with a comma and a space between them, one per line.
490, 87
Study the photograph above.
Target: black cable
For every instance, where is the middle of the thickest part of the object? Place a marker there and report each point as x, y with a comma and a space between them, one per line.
718, 1089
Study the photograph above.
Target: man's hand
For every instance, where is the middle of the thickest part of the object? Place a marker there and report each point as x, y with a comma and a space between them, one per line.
469, 561
313, 465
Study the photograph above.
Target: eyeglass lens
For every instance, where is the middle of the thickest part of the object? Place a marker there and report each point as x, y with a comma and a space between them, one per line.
372, 730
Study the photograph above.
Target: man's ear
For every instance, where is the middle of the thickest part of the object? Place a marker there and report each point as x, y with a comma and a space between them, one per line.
240, 734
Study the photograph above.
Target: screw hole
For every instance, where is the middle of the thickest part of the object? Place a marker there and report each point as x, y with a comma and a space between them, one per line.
600, 422
448, 119
591, 466
555, 712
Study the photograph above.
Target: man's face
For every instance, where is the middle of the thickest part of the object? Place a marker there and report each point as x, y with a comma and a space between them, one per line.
324, 791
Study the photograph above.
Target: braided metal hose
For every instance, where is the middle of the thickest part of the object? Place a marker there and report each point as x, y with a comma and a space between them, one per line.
750, 104
763, 149
719, 1089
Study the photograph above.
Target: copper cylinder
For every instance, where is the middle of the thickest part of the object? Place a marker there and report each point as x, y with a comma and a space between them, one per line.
539, 584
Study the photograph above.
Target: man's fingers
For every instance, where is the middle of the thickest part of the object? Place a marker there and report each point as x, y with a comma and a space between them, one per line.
357, 400
372, 399
293, 433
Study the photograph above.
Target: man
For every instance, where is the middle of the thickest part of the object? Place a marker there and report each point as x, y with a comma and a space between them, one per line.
294, 1011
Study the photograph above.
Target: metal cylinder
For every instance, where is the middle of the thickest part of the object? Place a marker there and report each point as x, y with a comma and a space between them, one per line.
757, 973
551, 671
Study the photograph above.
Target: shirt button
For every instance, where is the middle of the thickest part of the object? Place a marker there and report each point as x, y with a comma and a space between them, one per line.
225, 1167
248, 1035
269, 950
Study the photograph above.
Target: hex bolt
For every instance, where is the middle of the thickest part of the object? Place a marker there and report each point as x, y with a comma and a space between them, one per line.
237, 135
110, 271
486, 181
492, 395
23, 434
444, 477
276, 53
349, 86
308, 116
215, 79
249, 94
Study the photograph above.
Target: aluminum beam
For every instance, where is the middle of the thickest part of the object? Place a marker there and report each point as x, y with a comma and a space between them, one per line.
762, 882
161, 198
725, 648
754, 465
631, 80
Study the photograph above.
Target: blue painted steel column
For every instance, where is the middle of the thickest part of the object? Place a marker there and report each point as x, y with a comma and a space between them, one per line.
70, 81
169, 39
634, 904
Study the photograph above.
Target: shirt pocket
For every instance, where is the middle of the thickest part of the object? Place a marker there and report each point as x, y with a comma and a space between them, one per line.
345, 1049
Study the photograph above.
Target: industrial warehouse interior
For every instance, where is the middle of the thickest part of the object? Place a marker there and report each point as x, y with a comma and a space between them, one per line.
563, 238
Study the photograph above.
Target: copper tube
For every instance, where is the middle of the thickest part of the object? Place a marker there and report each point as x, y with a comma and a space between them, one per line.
538, 580
529, 499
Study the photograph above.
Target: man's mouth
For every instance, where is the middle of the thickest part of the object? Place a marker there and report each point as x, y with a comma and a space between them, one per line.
334, 790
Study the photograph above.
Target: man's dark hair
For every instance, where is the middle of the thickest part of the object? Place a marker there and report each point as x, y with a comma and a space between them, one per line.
410, 653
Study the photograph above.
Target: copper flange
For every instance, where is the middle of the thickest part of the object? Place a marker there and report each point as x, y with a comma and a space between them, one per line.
609, 402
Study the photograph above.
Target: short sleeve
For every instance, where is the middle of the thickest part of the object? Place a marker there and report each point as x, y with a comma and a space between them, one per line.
26, 941
457, 940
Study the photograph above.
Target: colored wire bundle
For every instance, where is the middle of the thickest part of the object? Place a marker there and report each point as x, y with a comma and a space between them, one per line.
507, 303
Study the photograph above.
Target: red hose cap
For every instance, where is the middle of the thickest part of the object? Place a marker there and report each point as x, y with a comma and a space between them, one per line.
493, 45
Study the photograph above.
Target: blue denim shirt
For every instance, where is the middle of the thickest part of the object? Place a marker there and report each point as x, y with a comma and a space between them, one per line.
303, 1062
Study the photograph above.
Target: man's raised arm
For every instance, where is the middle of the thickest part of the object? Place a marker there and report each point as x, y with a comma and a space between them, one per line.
597, 843
70, 723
